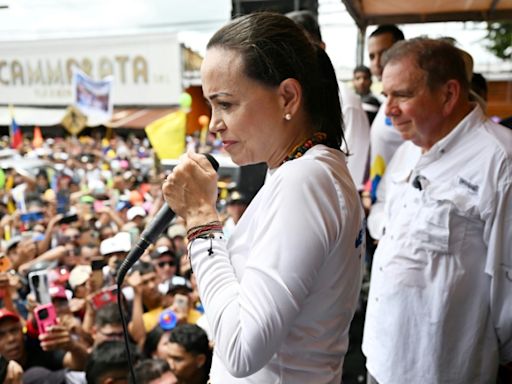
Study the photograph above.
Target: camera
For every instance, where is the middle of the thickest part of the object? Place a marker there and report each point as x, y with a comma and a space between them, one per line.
69, 218
104, 297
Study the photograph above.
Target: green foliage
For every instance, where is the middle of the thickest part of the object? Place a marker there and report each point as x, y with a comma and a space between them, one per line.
499, 34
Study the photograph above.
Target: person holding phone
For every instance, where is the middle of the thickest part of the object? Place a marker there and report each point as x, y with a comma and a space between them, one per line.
54, 350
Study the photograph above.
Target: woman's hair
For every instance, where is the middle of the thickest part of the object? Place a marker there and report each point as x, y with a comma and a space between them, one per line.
274, 48
152, 340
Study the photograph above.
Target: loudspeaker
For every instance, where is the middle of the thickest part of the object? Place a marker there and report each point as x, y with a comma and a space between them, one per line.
251, 178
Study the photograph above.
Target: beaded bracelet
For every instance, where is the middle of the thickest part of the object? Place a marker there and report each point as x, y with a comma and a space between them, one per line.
215, 222
205, 229
206, 234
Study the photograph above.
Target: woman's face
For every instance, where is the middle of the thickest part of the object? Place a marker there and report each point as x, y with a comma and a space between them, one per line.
162, 349
247, 115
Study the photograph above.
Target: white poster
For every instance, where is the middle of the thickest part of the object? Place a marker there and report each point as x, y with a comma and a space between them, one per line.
93, 98
145, 69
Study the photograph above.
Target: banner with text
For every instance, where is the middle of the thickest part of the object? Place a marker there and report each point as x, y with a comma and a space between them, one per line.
147, 69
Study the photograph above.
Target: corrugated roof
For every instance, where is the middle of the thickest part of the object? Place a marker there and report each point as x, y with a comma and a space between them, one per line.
137, 117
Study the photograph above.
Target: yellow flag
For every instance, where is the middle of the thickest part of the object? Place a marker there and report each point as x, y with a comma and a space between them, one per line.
167, 135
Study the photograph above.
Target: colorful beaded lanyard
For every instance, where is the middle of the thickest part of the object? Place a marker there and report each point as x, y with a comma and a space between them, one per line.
299, 150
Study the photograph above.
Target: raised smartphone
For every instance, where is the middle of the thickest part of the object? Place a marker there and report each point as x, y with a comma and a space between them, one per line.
45, 316
39, 286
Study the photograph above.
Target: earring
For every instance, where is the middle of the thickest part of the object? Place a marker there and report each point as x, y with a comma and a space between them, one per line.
288, 116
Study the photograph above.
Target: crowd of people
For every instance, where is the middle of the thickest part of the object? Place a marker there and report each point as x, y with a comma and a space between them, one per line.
264, 289
66, 226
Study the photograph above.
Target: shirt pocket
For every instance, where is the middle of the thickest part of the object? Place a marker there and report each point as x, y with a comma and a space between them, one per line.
430, 229
442, 220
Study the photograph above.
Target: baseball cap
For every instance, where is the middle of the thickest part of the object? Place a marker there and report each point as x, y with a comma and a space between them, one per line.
176, 230
179, 284
163, 250
122, 204
57, 292
121, 242
42, 375
6, 314
135, 211
79, 275
237, 197
12, 242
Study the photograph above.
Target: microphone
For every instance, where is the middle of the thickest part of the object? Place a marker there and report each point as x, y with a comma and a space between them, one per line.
152, 231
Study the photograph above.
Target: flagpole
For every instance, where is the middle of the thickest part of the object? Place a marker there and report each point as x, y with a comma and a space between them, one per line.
11, 113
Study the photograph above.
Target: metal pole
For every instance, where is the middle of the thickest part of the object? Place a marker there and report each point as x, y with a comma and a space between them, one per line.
360, 45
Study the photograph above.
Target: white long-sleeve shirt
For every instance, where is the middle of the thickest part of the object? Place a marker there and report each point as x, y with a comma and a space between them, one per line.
280, 295
357, 135
440, 303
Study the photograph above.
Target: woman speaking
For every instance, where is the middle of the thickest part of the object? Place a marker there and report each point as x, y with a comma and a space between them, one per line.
280, 294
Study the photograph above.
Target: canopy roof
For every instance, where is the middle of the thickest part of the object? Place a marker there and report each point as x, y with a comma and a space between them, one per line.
371, 12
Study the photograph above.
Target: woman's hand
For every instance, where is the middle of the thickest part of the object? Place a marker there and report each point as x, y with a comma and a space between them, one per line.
191, 190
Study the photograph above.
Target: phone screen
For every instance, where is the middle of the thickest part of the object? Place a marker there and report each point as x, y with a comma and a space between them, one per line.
31, 216
69, 218
39, 286
181, 301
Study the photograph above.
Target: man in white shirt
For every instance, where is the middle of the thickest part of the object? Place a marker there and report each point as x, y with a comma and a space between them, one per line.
440, 303
384, 139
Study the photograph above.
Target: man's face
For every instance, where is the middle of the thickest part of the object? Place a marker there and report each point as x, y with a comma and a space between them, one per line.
183, 364
149, 283
362, 83
11, 340
165, 266
415, 110
377, 45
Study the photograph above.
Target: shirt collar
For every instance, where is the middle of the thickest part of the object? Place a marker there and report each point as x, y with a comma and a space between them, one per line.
473, 118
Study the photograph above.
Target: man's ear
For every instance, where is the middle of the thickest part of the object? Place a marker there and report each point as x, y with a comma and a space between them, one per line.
290, 92
200, 360
451, 94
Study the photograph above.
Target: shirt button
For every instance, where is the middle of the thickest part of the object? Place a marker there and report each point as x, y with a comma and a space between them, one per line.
376, 299
380, 269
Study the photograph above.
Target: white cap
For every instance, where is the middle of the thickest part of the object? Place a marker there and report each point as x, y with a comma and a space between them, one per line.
176, 230
122, 242
135, 211
79, 275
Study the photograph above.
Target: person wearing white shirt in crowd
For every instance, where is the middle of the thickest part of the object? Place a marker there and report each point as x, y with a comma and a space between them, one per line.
440, 302
279, 296
355, 119
384, 139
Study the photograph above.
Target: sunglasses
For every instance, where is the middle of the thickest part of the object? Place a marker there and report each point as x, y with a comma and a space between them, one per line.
170, 263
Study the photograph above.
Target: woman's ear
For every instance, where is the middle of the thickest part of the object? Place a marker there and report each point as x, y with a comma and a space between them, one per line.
290, 92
